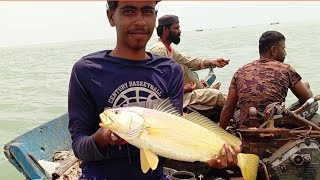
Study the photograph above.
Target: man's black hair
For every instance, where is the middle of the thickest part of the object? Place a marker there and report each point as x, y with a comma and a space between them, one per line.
269, 39
160, 29
112, 5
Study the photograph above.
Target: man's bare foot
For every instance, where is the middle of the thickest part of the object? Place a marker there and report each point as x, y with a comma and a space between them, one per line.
216, 86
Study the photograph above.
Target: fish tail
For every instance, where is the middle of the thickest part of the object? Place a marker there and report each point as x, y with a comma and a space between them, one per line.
248, 164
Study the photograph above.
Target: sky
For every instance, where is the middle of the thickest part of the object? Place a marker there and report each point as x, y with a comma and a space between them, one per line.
36, 22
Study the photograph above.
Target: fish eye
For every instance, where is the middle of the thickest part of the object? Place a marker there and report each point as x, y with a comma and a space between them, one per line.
116, 112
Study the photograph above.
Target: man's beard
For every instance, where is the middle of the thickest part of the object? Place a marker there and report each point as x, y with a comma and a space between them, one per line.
175, 39
280, 58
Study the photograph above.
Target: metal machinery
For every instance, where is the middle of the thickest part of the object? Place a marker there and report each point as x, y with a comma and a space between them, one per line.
287, 143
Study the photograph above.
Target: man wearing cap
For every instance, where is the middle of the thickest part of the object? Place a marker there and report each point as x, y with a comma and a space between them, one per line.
196, 91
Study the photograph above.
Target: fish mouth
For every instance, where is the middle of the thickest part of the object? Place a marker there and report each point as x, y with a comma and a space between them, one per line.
109, 120
106, 120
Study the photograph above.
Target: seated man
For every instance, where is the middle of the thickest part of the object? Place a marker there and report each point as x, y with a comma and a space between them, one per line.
169, 32
202, 99
263, 81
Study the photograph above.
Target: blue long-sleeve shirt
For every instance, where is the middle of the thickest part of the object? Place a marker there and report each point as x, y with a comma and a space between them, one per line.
98, 81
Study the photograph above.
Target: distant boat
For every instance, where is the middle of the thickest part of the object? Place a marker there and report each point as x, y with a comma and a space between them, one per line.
274, 23
197, 30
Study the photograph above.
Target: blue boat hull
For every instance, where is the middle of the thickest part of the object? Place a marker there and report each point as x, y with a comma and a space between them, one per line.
40, 143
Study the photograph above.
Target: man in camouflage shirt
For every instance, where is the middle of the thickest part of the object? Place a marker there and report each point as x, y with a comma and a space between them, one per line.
263, 81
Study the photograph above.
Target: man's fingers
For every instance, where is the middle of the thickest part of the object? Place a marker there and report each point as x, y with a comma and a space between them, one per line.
108, 137
223, 158
222, 62
237, 149
213, 162
233, 157
229, 155
223, 151
114, 137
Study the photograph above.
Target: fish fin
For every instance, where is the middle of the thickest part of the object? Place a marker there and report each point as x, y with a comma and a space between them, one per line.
248, 164
144, 162
205, 122
165, 105
148, 160
153, 131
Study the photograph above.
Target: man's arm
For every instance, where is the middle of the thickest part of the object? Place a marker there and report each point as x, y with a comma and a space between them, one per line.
198, 63
83, 120
228, 109
302, 91
191, 62
299, 89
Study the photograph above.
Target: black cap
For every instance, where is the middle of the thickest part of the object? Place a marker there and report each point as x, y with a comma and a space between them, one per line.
168, 19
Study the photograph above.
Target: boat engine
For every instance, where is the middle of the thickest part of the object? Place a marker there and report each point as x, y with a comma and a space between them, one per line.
284, 153
298, 159
287, 144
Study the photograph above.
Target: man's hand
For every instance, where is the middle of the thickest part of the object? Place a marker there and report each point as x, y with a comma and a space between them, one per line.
104, 137
227, 158
112, 138
189, 87
204, 83
220, 63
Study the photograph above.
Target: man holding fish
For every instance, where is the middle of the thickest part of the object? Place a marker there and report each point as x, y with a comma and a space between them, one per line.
124, 77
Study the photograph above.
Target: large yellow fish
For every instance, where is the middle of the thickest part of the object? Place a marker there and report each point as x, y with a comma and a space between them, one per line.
161, 131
